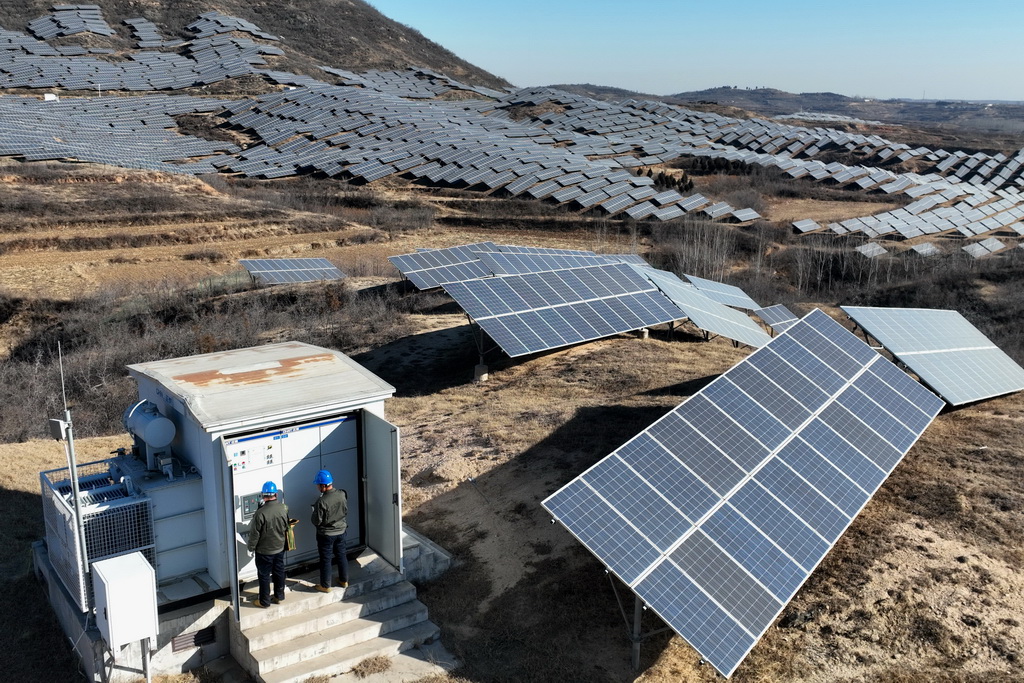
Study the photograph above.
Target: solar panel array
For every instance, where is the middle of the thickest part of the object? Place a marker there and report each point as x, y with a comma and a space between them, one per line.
717, 513
730, 295
778, 317
133, 132
148, 35
534, 312
434, 267
705, 313
211, 57
984, 247
215, 23
69, 20
872, 250
946, 351
291, 270
516, 264
204, 62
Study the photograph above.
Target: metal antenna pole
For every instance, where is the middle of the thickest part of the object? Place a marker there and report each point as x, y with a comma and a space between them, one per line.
69, 450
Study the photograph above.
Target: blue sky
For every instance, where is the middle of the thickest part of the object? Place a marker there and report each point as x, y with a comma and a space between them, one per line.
938, 49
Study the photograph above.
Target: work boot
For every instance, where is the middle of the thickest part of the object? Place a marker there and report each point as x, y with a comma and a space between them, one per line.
322, 588
277, 600
342, 584
257, 603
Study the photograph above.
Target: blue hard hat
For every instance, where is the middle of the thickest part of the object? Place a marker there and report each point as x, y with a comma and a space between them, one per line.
270, 489
323, 478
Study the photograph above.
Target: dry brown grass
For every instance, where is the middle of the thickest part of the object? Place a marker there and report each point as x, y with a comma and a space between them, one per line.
372, 665
788, 210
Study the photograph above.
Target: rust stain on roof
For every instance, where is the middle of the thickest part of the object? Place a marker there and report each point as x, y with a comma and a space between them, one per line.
288, 367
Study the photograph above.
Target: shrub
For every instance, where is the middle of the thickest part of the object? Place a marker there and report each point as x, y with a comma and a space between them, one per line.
99, 335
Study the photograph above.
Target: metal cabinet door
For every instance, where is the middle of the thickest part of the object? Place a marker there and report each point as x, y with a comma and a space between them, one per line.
383, 488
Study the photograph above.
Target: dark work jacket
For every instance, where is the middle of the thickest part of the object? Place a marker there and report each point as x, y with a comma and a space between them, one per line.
330, 513
269, 528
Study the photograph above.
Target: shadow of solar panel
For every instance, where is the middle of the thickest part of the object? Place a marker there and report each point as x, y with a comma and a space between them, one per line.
758, 475
942, 348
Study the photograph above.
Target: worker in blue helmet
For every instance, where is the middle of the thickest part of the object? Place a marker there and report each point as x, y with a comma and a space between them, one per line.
330, 517
268, 533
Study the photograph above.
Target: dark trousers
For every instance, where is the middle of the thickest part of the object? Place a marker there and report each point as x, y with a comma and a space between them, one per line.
267, 567
332, 548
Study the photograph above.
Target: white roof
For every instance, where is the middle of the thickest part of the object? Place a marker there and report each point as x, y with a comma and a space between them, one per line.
289, 380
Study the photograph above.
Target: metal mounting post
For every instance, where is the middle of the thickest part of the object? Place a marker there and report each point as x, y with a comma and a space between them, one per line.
638, 613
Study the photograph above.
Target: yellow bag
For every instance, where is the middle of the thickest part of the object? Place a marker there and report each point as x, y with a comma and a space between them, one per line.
290, 542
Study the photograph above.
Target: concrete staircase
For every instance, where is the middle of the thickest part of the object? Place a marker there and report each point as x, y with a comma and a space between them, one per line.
312, 633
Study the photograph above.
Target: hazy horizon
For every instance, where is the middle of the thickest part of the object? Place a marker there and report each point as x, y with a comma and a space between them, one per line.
913, 49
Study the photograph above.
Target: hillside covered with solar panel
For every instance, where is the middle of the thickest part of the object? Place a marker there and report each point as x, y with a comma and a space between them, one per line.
756, 373
308, 112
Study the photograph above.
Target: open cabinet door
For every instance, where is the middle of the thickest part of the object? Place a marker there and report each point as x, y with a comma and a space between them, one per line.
383, 489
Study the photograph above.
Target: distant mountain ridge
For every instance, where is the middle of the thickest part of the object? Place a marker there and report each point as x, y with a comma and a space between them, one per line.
769, 101
345, 34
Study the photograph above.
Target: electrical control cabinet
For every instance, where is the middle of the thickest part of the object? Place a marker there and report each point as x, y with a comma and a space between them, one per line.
290, 457
124, 588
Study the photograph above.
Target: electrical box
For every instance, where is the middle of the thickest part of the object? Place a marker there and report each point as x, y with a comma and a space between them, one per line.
124, 588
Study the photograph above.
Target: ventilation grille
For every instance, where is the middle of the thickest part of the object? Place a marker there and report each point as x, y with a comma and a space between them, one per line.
114, 524
187, 641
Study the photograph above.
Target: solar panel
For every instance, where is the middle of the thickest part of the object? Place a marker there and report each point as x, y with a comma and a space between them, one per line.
778, 317
538, 311
430, 269
946, 351
706, 313
291, 270
717, 513
502, 263
730, 295
635, 259
872, 249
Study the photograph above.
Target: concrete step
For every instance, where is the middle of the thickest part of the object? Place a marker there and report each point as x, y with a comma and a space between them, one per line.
302, 621
338, 637
341, 661
368, 573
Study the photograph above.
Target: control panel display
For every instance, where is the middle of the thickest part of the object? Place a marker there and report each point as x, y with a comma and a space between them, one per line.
250, 503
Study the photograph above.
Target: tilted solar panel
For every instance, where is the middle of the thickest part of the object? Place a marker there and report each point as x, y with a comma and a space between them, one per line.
946, 351
538, 311
706, 313
291, 270
430, 269
502, 263
778, 317
717, 513
730, 295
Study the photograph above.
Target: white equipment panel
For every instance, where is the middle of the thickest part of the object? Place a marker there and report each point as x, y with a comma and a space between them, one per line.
291, 457
124, 588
